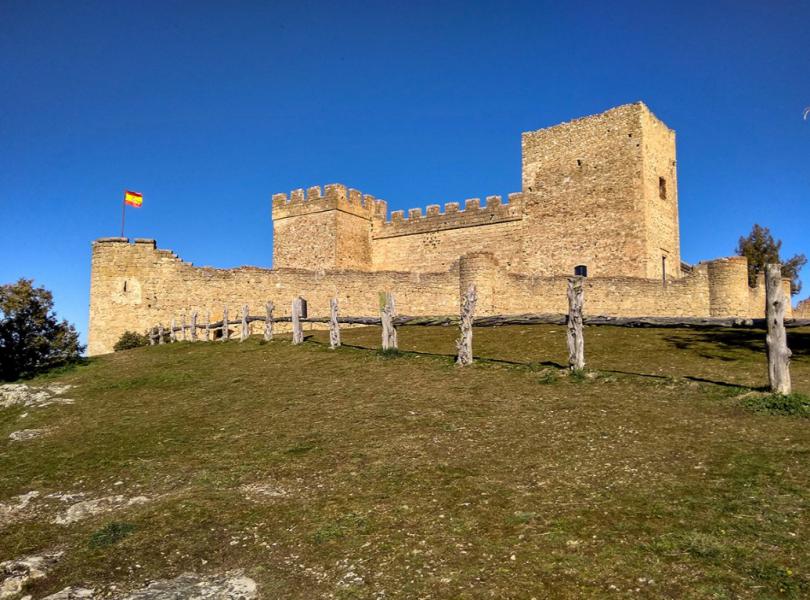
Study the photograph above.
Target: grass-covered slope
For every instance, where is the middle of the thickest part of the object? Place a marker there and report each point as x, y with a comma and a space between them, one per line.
349, 474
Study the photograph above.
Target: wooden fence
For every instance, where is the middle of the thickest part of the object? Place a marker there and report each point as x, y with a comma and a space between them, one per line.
778, 352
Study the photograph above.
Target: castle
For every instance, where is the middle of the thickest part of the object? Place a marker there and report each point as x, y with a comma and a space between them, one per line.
599, 197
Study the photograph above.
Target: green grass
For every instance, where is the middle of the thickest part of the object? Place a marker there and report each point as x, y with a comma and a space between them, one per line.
795, 404
508, 478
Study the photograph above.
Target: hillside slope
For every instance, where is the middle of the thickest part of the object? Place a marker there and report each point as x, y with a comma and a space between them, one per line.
351, 474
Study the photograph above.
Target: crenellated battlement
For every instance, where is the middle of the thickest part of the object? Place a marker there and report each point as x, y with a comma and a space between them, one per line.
335, 196
473, 214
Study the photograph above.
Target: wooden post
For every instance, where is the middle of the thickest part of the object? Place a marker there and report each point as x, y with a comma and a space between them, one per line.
208, 326
778, 352
387, 314
194, 326
172, 333
268, 322
183, 328
152, 336
576, 341
298, 332
161, 334
245, 331
226, 334
334, 327
464, 342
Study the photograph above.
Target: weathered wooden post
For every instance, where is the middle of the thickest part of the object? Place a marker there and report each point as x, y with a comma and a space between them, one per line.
464, 342
268, 322
244, 333
576, 341
387, 314
161, 334
208, 326
183, 328
152, 336
334, 327
298, 331
172, 333
194, 326
778, 352
226, 334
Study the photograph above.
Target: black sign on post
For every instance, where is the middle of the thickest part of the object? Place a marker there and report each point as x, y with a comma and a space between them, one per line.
581, 271
303, 314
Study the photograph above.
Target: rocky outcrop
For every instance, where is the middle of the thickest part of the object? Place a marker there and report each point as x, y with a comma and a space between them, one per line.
88, 508
20, 394
15, 574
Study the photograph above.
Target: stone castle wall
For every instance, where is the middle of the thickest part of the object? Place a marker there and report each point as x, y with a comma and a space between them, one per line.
802, 310
135, 286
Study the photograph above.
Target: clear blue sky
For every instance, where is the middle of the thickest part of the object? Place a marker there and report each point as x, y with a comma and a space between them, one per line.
208, 108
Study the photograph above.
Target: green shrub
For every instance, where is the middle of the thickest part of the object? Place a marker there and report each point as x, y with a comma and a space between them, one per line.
129, 340
797, 405
110, 534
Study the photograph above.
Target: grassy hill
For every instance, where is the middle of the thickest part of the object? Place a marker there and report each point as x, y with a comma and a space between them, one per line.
352, 474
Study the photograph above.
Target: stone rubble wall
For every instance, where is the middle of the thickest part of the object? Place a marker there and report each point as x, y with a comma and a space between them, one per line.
135, 286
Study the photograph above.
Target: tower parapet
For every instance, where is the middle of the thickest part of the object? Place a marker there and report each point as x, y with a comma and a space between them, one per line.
335, 196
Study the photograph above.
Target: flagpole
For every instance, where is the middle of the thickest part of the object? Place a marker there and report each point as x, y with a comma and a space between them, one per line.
123, 213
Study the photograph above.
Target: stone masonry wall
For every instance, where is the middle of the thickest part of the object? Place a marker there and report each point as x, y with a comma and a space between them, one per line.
434, 241
660, 197
584, 199
134, 286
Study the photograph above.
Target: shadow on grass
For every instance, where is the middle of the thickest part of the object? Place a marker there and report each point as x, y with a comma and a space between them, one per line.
543, 364
735, 339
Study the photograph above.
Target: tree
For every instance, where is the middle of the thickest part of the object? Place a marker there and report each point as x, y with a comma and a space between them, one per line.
760, 249
31, 338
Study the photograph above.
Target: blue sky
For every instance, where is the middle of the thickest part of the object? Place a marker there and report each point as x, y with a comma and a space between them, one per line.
208, 108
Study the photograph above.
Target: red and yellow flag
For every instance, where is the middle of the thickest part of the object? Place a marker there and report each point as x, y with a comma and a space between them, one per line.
133, 198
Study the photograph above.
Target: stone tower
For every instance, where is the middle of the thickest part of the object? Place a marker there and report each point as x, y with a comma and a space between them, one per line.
602, 192
323, 231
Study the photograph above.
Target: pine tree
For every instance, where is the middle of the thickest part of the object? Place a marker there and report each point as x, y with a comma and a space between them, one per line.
760, 248
31, 338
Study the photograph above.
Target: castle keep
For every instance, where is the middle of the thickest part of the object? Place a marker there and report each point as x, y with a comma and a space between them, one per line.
599, 195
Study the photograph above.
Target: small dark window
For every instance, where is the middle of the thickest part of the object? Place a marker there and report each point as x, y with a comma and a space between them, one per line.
579, 162
125, 285
581, 271
664, 269
662, 188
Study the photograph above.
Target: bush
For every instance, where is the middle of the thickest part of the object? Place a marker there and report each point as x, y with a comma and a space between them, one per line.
129, 340
31, 339
110, 534
795, 404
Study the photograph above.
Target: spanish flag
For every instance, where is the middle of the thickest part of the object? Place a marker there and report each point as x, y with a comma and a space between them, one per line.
133, 198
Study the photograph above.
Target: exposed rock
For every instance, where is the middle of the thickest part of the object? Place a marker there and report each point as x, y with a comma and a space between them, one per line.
88, 508
266, 489
15, 574
20, 394
10, 512
26, 434
71, 593
190, 586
